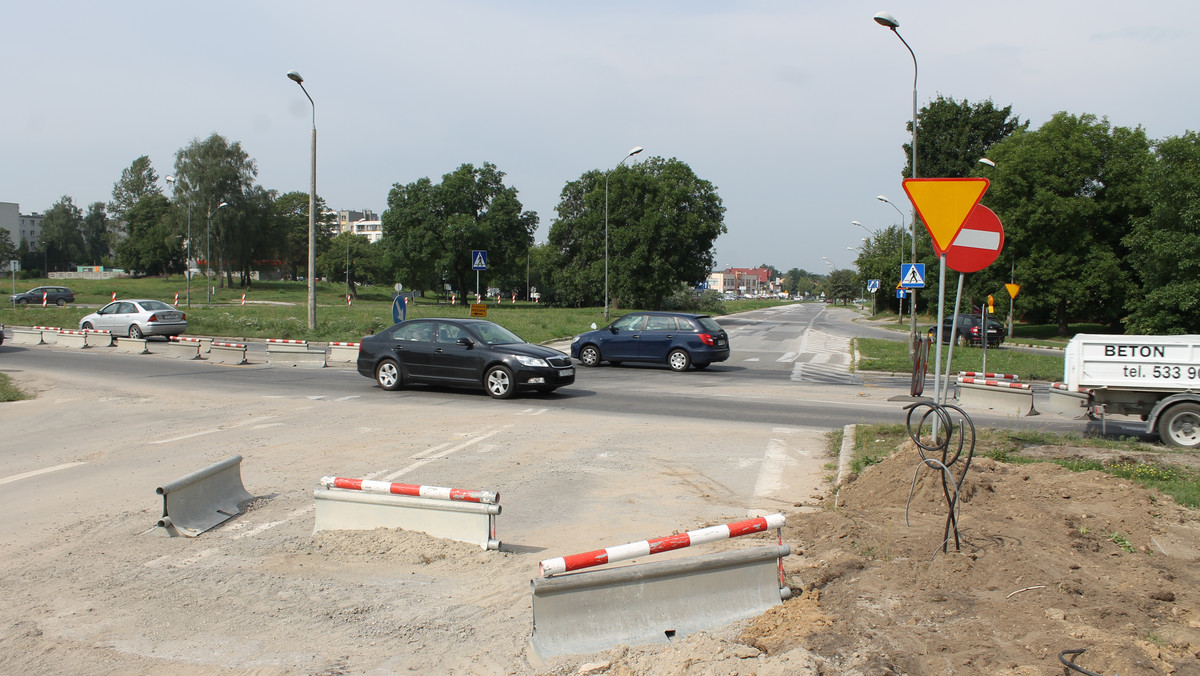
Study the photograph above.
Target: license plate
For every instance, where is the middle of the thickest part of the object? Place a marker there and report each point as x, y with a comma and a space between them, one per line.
170, 316
563, 373
720, 343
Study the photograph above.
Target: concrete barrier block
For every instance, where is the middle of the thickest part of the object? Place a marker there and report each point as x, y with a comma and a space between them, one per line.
95, 338
131, 345
294, 355
71, 339
1004, 400
343, 353
27, 337
1066, 403
184, 349
227, 353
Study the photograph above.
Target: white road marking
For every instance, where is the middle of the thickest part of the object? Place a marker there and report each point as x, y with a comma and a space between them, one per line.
788, 356
186, 436
347, 397
36, 472
751, 359
770, 475
441, 454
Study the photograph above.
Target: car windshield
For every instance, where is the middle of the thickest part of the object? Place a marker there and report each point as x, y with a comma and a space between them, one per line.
494, 334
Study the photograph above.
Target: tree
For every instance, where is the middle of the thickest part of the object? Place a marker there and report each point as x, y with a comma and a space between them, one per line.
662, 224
292, 247
430, 229
153, 245
97, 239
348, 251
8, 250
1066, 194
1164, 244
207, 173
954, 135
62, 238
137, 180
843, 286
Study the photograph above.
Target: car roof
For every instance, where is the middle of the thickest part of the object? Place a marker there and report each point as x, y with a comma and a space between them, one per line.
667, 314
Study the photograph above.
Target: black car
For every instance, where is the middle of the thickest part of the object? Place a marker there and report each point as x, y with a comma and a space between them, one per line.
968, 331
676, 339
461, 353
56, 295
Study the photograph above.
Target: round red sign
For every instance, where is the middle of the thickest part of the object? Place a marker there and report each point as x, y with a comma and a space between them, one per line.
978, 242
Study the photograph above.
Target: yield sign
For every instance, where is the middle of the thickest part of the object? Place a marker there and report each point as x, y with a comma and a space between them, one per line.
978, 243
944, 204
1012, 290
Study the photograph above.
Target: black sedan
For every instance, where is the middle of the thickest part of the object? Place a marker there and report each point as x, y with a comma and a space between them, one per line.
461, 353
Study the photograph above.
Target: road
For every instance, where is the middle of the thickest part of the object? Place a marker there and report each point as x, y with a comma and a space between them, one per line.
627, 453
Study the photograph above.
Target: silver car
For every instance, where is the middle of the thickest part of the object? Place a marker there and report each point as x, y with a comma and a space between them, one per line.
137, 318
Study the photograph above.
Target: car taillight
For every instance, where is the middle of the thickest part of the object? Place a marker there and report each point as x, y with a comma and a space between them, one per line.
183, 316
975, 330
706, 338
153, 318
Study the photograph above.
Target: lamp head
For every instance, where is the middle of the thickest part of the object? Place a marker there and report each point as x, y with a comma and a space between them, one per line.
856, 223
881, 198
170, 179
634, 151
887, 20
984, 160
222, 204
293, 75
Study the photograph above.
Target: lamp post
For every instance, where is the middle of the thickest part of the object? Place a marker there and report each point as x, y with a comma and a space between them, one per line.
632, 151
312, 210
888, 21
187, 264
208, 251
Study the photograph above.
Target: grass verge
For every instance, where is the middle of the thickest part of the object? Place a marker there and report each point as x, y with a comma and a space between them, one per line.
9, 391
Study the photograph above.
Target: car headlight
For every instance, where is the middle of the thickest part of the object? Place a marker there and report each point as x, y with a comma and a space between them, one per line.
531, 361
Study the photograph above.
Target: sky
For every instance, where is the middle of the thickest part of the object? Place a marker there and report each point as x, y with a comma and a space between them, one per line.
794, 110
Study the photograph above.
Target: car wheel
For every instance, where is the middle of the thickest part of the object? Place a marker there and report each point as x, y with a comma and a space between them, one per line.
701, 366
499, 382
60, 302
962, 341
589, 355
86, 326
387, 374
1180, 426
679, 360
22, 301
135, 332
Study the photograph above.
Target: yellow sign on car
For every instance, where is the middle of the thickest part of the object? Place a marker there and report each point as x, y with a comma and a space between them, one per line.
478, 309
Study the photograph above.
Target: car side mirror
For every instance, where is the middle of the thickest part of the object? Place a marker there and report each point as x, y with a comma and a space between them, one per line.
466, 342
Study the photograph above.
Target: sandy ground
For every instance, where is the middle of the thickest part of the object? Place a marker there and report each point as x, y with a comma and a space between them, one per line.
1048, 561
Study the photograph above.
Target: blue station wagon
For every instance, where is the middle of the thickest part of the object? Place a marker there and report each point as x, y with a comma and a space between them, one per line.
676, 339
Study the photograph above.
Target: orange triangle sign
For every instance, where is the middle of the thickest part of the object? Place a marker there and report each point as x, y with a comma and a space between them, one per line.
1012, 290
944, 204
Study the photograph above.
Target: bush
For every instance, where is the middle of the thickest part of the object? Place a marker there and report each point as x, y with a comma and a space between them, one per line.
687, 300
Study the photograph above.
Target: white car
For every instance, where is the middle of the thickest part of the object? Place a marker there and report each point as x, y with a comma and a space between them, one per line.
137, 318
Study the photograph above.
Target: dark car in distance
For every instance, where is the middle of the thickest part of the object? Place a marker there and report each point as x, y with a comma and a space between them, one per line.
676, 339
53, 295
968, 331
462, 353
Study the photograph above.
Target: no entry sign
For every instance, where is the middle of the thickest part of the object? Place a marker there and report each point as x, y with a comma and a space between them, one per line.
978, 242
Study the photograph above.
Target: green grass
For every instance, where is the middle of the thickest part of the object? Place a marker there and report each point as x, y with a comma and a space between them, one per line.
280, 310
10, 392
873, 443
892, 356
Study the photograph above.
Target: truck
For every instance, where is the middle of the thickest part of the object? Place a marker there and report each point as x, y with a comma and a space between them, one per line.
1154, 377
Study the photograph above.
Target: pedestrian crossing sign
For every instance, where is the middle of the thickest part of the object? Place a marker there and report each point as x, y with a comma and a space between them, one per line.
479, 260
912, 275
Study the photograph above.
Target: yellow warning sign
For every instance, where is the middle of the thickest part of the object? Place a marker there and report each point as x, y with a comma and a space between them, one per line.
478, 309
1012, 290
944, 204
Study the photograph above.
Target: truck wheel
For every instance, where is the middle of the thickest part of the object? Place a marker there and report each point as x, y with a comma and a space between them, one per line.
1180, 426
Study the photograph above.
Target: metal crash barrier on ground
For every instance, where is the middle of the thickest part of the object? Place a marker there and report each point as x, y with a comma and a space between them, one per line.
198, 501
592, 611
283, 352
450, 513
1002, 396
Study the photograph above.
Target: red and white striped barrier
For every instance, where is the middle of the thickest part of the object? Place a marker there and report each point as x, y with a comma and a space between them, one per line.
599, 557
114, 297
433, 492
453, 299
240, 346
514, 299
243, 299
996, 376
348, 300
184, 339
176, 303
46, 328
340, 344
287, 341
996, 383
45, 294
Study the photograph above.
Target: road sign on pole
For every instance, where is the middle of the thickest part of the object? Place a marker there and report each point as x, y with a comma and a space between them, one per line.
978, 243
872, 285
912, 275
479, 260
944, 204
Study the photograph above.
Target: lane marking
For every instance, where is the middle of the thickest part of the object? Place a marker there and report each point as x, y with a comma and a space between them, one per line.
37, 472
186, 436
770, 475
453, 449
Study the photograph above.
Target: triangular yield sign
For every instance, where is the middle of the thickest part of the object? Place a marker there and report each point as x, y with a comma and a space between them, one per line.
944, 204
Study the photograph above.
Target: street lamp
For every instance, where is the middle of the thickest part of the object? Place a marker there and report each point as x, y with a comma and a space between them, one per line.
187, 264
632, 151
208, 251
312, 210
888, 21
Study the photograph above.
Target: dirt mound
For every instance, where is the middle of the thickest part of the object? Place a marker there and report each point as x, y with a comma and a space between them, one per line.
1049, 560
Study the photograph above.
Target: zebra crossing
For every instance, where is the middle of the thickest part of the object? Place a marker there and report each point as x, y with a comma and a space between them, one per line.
815, 356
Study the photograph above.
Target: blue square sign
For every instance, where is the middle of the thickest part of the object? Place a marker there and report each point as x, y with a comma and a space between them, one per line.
912, 275
479, 260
